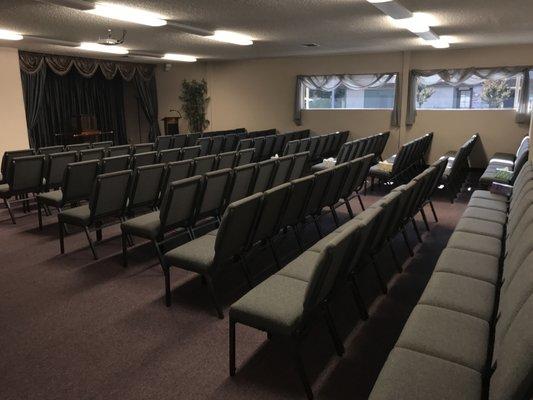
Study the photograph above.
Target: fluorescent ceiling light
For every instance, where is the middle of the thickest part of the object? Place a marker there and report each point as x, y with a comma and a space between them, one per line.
391, 8
127, 14
103, 48
179, 57
379, 1
9, 35
413, 24
439, 44
232, 37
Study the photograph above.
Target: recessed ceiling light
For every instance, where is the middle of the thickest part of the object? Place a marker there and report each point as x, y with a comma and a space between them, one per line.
232, 37
10, 35
438, 44
413, 24
379, 1
128, 14
89, 46
178, 57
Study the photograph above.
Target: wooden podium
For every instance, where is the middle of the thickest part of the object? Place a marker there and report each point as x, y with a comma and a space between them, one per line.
172, 125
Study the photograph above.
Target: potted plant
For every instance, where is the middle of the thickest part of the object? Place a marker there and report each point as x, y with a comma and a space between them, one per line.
194, 104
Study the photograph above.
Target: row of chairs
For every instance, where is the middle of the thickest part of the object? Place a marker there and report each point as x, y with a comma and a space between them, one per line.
319, 147
403, 166
260, 217
458, 167
289, 301
374, 144
148, 188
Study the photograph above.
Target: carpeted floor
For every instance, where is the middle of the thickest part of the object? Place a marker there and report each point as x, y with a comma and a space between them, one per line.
75, 328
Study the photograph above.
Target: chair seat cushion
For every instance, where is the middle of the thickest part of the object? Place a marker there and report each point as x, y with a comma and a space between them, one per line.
198, 255
480, 227
377, 171
275, 305
508, 158
485, 194
476, 243
146, 226
303, 267
447, 334
490, 204
54, 198
486, 215
468, 263
410, 375
460, 293
80, 216
490, 176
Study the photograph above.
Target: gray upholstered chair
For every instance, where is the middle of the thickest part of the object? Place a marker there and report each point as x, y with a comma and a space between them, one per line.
283, 169
102, 145
314, 202
25, 176
90, 154
122, 150
259, 143
205, 145
230, 142
179, 141
192, 138
77, 146
214, 193
50, 150
6, 161
313, 146
241, 182
244, 157
226, 160
145, 187
217, 145
291, 147
142, 159
203, 165
114, 164
142, 148
163, 142
268, 146
188, 153
176, 214
264, 174
77, 185
298, 166
347, 189
333, 191
169, 155
208, 254
245, 144
55, 166
108, 200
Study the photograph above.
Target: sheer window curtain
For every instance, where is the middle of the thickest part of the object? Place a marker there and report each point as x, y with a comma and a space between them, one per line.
355, 82
456, 77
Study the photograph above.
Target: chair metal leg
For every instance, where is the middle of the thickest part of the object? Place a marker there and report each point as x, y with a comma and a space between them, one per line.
124, 249
335, 216
337, 342
62, 238
245, 271
40, 215
276, 259
91, 244
424, 218
394, 257
349, 208
8, 206
361, 201
359, 303
380, 277
232, 348
301, 369
168, 297
406, 240
99, 235
159, 253
213, 295
433, 211
415, 226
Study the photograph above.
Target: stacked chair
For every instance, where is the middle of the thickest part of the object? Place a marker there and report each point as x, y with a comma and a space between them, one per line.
470, 335
458, 167
289, 301
512, 163
319, 147
403, 166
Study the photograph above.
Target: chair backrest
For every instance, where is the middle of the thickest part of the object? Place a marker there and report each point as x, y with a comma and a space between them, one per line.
236, 226
56, 164
298, 166
26, 174
259, 143
335, 144
230, 142
363, 172
319, 151
176, 171
50, 150
178, 207
110, 194
114, 164
291, 147
142, 159
264, 175
77, 146
241, 182
296, 203
344, 153
163, 142
9, 155
146, 185
388, 218
202, 165
283, 169
217, 145
102, 145
317, 192
122, 150
270, 213
188, 153
268, 147
179, 141
79, 180
279, 144
244, 157
169, 155
90, 154
204, 143
192, 138
142, 148
216, 184
226, 160
313, 143
245, 144
333, 190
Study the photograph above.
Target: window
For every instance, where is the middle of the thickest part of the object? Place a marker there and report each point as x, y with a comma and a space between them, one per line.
474, 93
349, 92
